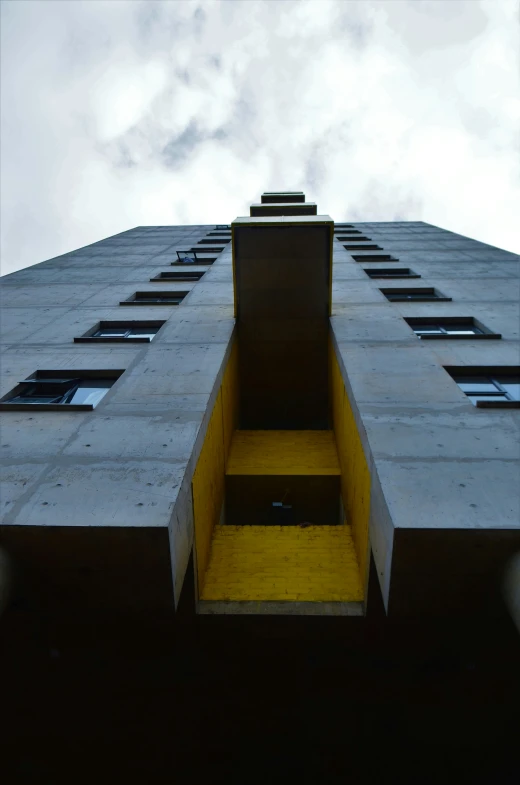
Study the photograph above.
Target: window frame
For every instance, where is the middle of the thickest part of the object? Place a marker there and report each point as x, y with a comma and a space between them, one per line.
485, 332
487, 373
362, 248
48, 376
90, 337
391, 272
435, 295
196, 275
137, 298
371, 258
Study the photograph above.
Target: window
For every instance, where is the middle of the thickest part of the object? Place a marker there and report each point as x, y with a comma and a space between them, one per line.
346, 231
391, 272
213, 240
489, 387
187, 275
186, 257
222, 234
381, 257
223, 226
450, 327
116, 332
362, 247
340, 227
77, 390
194, 257
423, 294
353, 239
155, 298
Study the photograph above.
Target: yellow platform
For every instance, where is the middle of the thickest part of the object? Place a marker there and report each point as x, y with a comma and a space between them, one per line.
282, 563
283, 453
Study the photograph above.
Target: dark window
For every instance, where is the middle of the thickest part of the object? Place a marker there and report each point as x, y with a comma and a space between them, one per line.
343, 226
78, 390
138, 332
194, 257
362, 247
353, 239
450, 327
382, 257
213, 240
489, 387
155, 298
223, 226
425, 293
187, 275
391, 272
186, 257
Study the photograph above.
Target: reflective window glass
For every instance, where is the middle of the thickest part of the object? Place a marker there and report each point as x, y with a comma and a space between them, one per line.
480, 385
512, 387
91, 391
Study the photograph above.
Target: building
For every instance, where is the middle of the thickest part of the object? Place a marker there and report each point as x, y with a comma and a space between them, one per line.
282, 415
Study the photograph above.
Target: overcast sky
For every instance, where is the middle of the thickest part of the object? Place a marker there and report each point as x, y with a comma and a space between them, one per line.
117, 114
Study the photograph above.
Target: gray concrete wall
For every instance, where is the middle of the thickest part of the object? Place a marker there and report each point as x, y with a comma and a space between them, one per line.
127, 465
438, 464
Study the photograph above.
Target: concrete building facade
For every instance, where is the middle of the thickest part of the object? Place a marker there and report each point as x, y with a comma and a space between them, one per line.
397, 348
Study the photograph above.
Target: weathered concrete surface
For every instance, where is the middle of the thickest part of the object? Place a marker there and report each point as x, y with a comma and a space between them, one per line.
445, 498
126, 467
103, 498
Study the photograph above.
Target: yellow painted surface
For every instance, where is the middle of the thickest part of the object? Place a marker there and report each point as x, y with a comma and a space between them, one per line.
355, 475
209, 476
316, 564
230, 399
283, 452
208, 488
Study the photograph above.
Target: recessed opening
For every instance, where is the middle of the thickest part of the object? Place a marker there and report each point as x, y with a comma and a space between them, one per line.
155, 298
489, 386
390, 272
383, 257
187, 275
418, 294
449, 327
118, 331
56, 390
195, 256
362, 247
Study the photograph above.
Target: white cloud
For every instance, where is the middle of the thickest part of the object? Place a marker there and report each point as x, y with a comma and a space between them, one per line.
130, 113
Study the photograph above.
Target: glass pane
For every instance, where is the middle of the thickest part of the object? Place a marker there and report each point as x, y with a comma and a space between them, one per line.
91, 391
36, 399
475, 398
145, 333
112, 333
469, 331
480, 385
513, 388
431, 330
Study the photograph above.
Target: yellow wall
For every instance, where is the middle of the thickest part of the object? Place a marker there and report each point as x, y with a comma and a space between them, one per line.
230, 398
355, 475
208, 478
